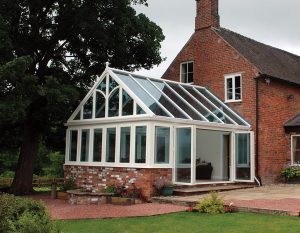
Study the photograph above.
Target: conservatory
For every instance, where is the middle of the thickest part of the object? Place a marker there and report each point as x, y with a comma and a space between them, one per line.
134, 129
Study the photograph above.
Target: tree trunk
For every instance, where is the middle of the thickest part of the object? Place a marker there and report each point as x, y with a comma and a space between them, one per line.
22, 183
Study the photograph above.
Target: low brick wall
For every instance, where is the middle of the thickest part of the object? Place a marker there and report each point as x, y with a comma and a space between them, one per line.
96, 179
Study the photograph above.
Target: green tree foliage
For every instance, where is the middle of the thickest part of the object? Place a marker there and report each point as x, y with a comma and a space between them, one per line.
50, 53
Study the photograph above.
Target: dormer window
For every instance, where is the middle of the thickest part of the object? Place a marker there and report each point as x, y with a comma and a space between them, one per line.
187, 72
233, 88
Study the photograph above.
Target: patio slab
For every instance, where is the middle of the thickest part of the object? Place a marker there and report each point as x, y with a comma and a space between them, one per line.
276, 199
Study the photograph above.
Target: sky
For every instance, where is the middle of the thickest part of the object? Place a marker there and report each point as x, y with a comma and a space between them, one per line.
273, 22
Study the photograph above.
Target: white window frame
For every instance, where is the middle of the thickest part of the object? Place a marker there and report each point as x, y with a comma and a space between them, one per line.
183, 63
292, 151
232, 76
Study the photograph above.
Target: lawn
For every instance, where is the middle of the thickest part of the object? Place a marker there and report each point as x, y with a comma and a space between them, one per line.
187, 223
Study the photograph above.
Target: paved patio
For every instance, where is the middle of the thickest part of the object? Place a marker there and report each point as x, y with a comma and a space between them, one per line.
62, 210
276, 199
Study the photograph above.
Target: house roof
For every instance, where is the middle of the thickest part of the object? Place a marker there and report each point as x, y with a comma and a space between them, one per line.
294, 122
270, 61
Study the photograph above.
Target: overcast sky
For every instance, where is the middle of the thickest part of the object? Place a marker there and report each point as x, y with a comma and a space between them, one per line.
274, 22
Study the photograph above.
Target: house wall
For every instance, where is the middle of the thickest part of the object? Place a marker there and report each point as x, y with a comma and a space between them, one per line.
98, 178
278, 102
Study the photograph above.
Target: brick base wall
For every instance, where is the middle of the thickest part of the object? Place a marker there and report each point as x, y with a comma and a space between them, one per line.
98, 178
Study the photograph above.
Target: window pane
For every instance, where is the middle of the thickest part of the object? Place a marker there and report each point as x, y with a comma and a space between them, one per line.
113, 103
139, 110
191, 67
140, 144
190, 78
97, 145
161, 98
125, 145
243, 171
110, 145
102, 86
229, 89
183, 155
170, 93
144, 96
100, 105
127, 105
73, 145
238, 88
85, 138
184, 68
112, 84
162, 144
88, 109
296, 150
77, 117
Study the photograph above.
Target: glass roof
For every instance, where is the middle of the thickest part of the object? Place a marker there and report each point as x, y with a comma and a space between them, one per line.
179, 100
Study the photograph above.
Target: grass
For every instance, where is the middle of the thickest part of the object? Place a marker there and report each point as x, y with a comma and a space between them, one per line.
187, 223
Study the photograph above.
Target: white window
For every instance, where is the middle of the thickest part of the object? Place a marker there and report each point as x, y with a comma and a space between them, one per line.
296, 149
162, 145
187, 72
233, 88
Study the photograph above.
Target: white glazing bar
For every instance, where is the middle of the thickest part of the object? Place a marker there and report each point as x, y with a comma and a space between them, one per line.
239, 117
159, 104
212, 104
215, 116
187, 103
172, 102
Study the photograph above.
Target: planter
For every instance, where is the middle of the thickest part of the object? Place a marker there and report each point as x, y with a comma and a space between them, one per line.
62, 196
167, 191
294, 180
124, 201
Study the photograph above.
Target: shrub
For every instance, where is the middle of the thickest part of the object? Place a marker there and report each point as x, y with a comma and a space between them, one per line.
162, 183
24, 216
290, 171
69, 184
212, 204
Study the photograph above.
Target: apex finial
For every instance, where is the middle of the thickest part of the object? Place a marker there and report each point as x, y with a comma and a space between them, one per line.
107, 64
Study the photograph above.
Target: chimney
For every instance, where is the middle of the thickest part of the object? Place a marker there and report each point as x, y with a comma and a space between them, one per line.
207, 14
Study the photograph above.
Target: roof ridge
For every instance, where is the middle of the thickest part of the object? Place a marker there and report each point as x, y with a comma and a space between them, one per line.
256, 41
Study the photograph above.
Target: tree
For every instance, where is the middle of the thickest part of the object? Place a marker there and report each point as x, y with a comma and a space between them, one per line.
50, 53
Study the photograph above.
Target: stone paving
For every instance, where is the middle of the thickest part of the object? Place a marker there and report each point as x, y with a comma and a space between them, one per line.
277, 199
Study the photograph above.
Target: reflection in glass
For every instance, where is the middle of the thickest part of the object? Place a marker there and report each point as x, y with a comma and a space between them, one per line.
77, 117
100, 105
73, 146
88, 109
127, 104
85, 139
162, 145
243, 171
139, 110
102, 86
97, 145
113, 103
110, 145
112, 84
125, 145
140, 144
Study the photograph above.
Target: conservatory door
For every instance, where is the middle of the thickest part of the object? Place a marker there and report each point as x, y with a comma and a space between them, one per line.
244, 156
183, 155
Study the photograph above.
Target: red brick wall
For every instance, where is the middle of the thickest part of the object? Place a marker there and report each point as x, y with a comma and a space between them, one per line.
279, 102
213, 58
97, 178
207, 14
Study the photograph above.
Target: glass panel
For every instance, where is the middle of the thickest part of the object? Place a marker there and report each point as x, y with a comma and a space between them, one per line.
184, 68
296, 149
113, 103
140, 93
161, 98
88, 109
190, 78
97, 145
140, 144
125, 145
77, 117
112, 84
243, 171
85, 139
229, 89
238, 88
100, 105
162, 145
194, 103
185, 107
127, 105
139, 110
183, 155
191, 67
222, 108
110, 145
102, 86
73, 146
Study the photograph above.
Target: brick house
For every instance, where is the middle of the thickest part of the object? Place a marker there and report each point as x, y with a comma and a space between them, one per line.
260, 82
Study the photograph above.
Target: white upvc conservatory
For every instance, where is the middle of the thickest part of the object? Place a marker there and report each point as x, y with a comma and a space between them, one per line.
130, 121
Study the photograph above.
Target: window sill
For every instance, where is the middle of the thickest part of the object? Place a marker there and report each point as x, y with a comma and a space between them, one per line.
233, 101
